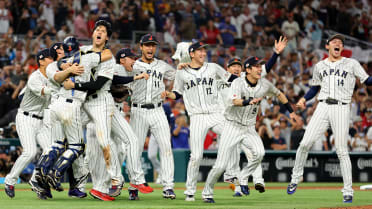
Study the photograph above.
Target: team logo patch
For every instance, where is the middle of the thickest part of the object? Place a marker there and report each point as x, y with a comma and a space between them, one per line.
69, 48
122, 55
150, 38
55, 47
256, 58
41, 56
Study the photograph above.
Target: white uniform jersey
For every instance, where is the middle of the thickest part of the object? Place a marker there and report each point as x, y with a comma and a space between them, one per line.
242, 90
51, 70
199, 87
337, 79
119, 70
89, 61
33, 101
224, 89
105, 69
149, 91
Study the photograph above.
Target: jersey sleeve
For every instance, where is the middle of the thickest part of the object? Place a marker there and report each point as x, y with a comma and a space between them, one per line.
273, 91
316, 79
178, 83
106, 69
51, 71
94, 59
221, 73
359, 71
235, 90
170, 72
35, 84
263, 72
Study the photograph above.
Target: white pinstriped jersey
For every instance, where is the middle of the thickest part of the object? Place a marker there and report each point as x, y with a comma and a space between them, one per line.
149, 91
224, 89
51, 70
33, 101
119, 70
104, 69
199, 87
242, 90
89, 61
337, 79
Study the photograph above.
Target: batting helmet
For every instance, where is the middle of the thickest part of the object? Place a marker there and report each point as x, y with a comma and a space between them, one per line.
106, 24
70, 45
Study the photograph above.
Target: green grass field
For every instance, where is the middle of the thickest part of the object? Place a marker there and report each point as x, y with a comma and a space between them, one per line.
308, 195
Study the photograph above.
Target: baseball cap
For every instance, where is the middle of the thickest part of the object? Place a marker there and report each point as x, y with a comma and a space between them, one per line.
234, 61
42, 54
197, 45
53, 50
148, 38
124, 52
252, 61
336, 36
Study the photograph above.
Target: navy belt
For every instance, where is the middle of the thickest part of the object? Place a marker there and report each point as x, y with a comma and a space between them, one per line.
69, 100
332, 101
32, 115
147, 106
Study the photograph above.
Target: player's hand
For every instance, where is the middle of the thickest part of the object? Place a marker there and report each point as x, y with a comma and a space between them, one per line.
301, 103
141, 76
281, 44
76, 69
66, 65
164, 94
68, 84
255, 101
183, 66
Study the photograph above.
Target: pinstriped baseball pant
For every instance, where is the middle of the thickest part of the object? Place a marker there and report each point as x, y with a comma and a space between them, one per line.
27, 129
337, 117
154, 119
232, 135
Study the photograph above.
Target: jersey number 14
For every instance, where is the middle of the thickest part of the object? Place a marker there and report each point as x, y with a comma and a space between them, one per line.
340, 82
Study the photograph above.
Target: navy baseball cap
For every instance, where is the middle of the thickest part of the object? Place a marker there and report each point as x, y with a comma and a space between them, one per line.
53, 50
148, 38
124, 52
336, 36
234, 61
42, 54
197, 45
252, 61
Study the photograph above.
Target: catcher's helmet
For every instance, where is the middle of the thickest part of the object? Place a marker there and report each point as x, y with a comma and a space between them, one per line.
70, 45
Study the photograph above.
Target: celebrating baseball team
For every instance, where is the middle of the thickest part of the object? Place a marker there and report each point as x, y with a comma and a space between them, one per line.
74, 89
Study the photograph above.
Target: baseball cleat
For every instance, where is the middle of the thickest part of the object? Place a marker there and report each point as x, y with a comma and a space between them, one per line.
41, 196
115, 190
35, 186
169, 193
245, 189
259, 187
291, 188
209, 200
133, 195
101, 196
190, 198
54, 182
9, 190
76, 193
238, 194
143, 188
231, 180
348, 199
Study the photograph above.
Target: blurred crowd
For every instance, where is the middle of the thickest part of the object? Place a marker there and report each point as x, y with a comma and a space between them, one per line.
234, 28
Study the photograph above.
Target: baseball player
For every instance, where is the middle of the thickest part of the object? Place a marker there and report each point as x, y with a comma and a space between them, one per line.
147, 112
55, 131
198, 86
124, 143
67, 108
247, 92
29, 119
224, 89
335, 78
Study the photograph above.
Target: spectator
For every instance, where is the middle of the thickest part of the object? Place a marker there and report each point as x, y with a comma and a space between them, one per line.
247, 21
278, 142
298, 132
1, 133
314, 28
13, 130
47, 12
358, 143
180, 133
210, 34
4, 58
81, 29
290, 29
187, 29
5, 18
265, 136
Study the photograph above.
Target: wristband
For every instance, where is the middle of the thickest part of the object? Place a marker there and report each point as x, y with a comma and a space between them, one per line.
289, 108
246, 102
